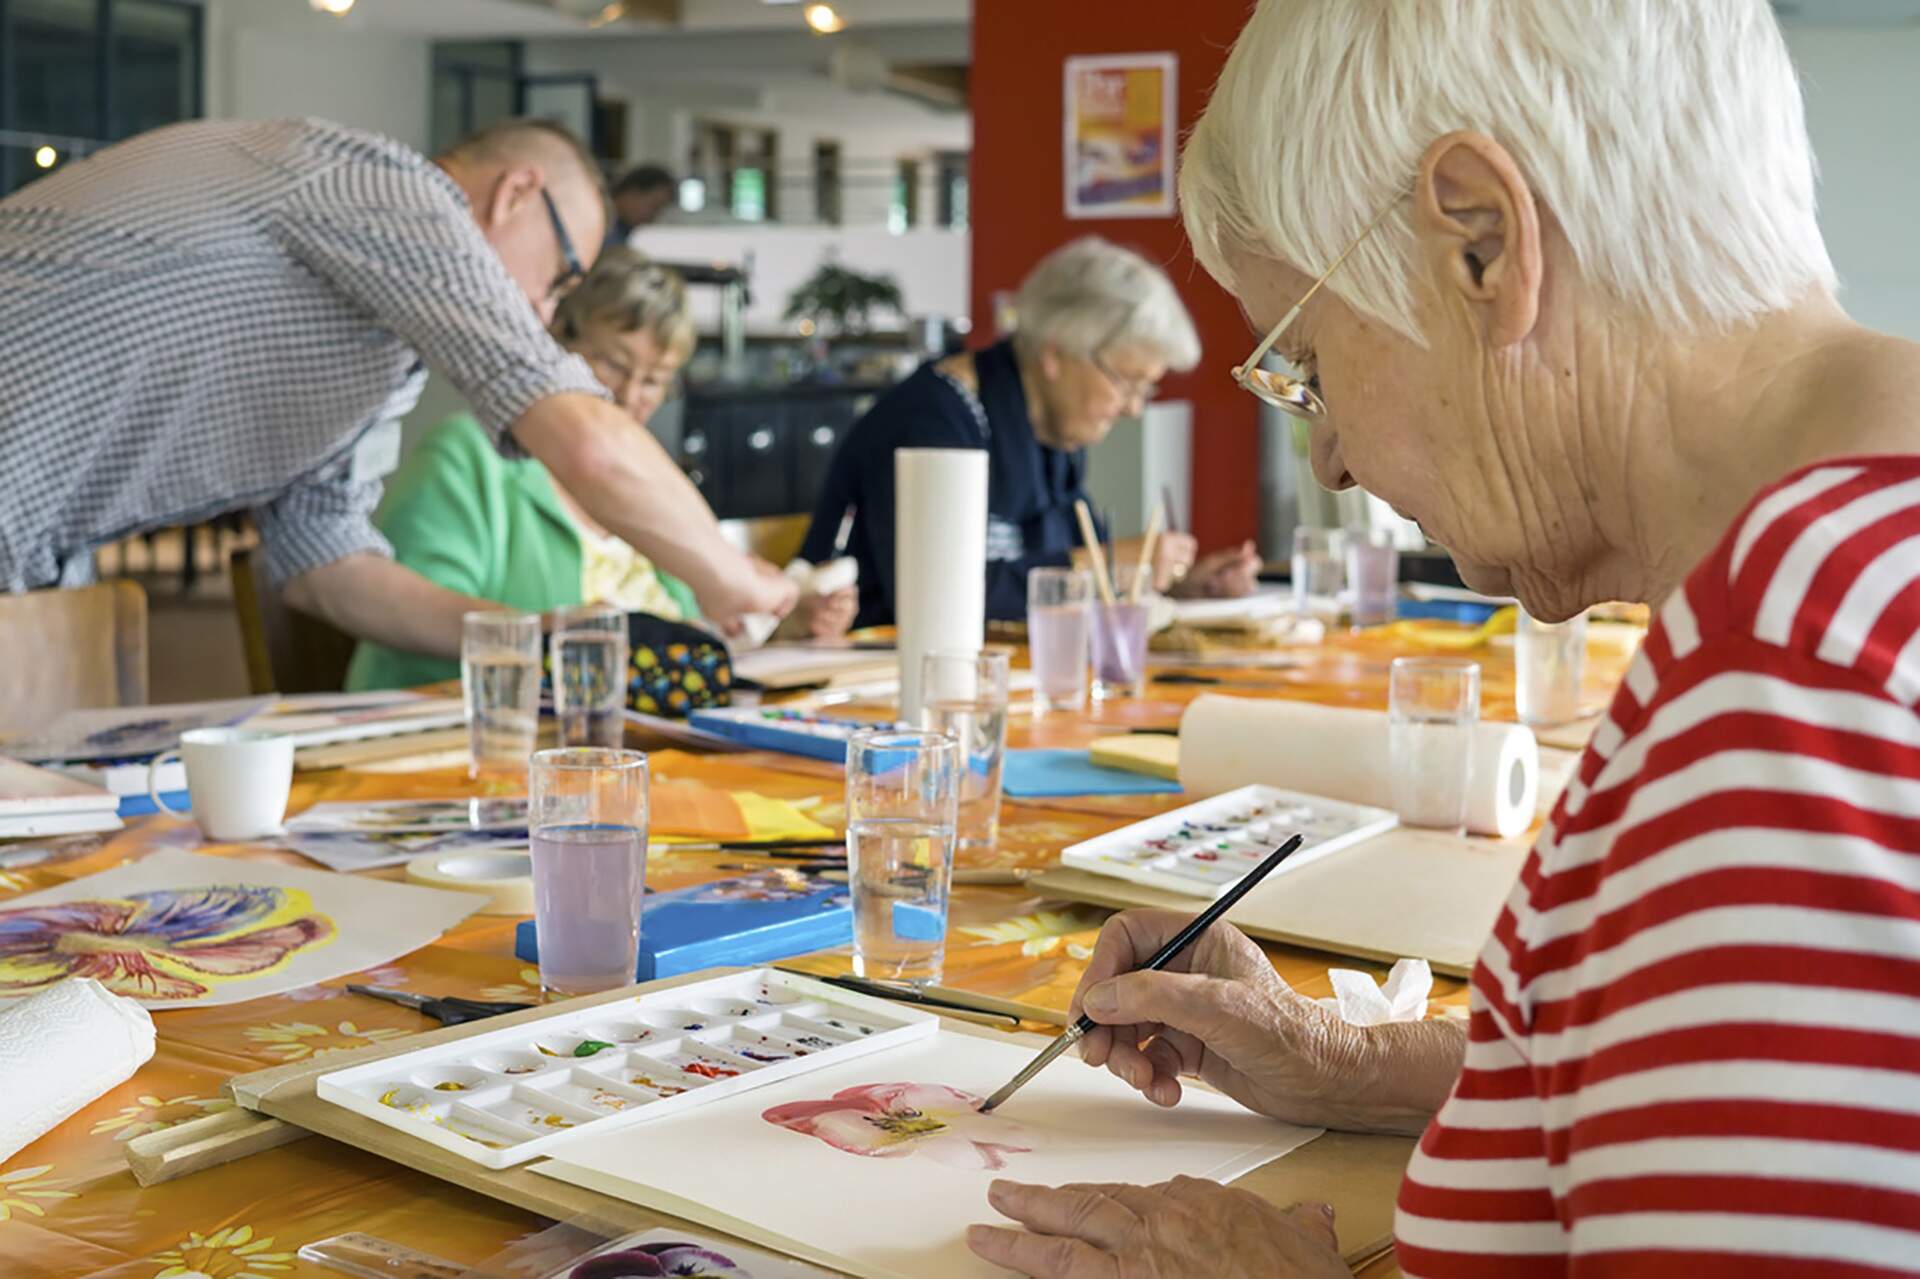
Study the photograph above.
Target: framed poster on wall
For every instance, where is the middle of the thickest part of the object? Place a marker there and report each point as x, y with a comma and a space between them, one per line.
1120, 135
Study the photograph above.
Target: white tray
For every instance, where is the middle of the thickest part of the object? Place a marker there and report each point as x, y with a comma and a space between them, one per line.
503, 1097
1202, 850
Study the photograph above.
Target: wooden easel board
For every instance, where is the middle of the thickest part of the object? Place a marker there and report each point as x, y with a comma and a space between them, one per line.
1407, 894
1358, 1175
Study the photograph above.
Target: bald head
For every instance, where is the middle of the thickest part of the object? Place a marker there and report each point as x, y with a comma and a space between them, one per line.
508, 171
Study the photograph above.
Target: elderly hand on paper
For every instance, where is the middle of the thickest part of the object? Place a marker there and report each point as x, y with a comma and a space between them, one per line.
1219, 1011
1219, 575
1179, 1228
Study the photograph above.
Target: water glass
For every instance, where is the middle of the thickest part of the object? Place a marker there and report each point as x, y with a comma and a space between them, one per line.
1120, 643
587, 814
1433, 708
965, 697
903, 791
1059, 619
500, 676
1549, 659
1319, 572
1373, 576
590, 675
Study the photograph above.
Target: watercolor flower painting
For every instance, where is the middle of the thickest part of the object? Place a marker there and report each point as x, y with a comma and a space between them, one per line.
649, 1260
888, 1121
165, 944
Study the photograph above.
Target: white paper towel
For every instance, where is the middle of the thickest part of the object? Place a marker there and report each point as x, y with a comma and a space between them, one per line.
61, 1050
1362, 1003
939, 559
1228, 742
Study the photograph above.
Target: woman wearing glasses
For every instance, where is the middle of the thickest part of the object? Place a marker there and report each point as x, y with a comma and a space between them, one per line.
1099, 326
474, 522
1589, 339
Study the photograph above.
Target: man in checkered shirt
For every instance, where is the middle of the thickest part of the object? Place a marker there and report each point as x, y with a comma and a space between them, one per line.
210, 317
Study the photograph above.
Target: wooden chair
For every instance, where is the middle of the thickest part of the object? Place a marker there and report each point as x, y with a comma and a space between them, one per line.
775, 538
287, 651
69, 650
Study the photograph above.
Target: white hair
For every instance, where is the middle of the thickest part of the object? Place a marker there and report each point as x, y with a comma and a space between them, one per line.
1667, 137
1092, 294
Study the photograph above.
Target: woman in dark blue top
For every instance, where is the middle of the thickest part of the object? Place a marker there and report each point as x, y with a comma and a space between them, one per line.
1099, 327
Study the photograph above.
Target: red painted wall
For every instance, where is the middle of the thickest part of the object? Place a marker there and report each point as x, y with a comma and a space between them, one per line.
1018, 204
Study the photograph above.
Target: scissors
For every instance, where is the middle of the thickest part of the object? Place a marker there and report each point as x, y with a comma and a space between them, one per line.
446, 1010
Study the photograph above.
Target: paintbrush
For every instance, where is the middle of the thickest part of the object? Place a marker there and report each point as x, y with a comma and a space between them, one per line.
1164, 956
1096, 553
1144, 573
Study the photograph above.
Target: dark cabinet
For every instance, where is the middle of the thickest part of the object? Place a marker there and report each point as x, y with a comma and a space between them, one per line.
755, 453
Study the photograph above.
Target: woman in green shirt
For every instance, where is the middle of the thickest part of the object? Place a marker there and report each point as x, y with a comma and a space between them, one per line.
464, 516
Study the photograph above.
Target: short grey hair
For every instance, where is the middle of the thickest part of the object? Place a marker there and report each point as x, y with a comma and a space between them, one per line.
1667, 137
1093, 294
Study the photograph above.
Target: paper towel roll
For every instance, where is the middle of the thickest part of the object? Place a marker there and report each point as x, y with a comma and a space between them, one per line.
63, 1049
1227, 742
939, 559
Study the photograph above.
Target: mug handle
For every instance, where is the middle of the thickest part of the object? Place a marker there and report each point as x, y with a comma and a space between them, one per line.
153, 785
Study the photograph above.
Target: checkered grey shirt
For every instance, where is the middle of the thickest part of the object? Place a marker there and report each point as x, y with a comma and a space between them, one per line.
208, 317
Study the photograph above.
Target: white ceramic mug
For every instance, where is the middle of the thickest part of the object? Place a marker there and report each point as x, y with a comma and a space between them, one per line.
238, 779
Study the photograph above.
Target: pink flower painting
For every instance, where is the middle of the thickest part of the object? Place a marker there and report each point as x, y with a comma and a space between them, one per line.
166, 944
887, 1121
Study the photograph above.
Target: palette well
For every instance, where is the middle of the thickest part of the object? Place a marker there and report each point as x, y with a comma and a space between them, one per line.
502, 1097
1203, 849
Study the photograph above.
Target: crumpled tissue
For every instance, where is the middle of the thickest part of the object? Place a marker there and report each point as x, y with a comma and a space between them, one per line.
1403, 997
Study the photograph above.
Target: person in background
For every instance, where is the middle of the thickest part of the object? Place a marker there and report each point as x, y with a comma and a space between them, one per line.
1099, 327
639, 198
1588, 337
211, 316
500, 529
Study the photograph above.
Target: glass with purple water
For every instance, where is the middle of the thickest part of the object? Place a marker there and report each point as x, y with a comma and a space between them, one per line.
587, 811
1059, 622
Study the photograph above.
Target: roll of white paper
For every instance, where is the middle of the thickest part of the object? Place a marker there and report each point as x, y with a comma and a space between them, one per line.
939, 559
63, 1049
1228, 742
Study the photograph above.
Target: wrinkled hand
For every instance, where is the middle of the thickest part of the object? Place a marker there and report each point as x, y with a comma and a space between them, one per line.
822, 616
1174, 1230
1173, 557
741, 584
1218, 1011
1227, 574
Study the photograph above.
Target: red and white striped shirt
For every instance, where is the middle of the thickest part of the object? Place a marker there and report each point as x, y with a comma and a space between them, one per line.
1695, 1037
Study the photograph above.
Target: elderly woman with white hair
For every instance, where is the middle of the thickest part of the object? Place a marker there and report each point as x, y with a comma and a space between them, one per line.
1549, 277
1099, 326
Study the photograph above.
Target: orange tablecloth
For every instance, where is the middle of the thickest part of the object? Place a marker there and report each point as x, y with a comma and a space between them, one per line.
69, 1207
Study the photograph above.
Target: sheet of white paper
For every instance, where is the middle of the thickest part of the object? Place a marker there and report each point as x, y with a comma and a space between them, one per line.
179, 929
904, 1215
346, 850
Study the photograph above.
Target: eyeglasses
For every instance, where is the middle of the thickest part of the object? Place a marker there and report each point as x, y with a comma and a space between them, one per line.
1130, 389
572, 272
1298, 396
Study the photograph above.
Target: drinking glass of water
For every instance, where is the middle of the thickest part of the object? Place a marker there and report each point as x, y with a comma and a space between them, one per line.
1549, 659
903, 791
500, 675
590, 675
966, 698
1373, 576
1059, 625
1319, 572
1433, 708
587, 813
1120, 641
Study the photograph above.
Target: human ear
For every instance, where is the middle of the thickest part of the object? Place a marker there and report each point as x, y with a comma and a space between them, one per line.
511, 191
1476, 215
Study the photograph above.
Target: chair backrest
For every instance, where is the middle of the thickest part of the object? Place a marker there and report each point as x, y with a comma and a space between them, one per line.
69, 650
287, 651
775, 538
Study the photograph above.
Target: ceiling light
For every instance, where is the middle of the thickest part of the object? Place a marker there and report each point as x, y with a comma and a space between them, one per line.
823, 19
337, 8
46, 157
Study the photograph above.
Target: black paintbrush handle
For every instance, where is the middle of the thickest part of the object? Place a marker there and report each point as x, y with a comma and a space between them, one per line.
1211, 915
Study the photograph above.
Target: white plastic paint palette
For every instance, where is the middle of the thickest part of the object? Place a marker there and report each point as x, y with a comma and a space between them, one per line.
1203, 849
502, 1097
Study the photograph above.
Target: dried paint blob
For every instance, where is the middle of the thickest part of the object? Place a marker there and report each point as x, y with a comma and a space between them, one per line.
889, 1121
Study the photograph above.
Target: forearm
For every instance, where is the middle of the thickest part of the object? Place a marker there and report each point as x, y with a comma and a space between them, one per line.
616, 470
372, 598
1398, 1076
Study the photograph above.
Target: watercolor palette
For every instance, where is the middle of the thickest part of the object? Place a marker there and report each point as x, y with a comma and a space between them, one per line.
502, 1097
790, 732
1203, 849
